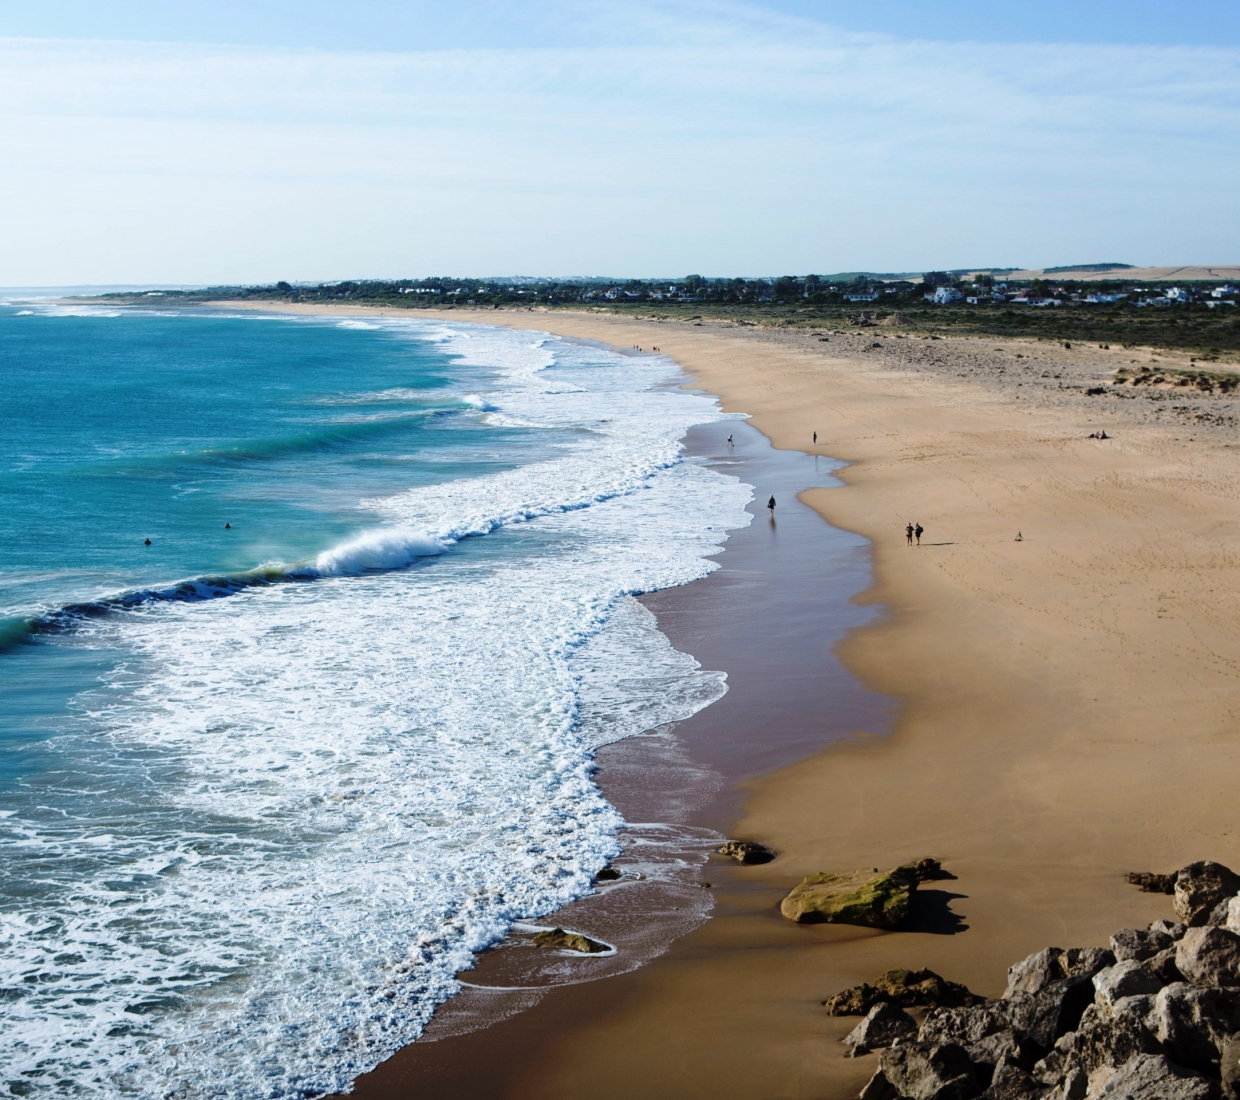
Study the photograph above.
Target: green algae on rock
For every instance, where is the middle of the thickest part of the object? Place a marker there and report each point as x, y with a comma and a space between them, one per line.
862, 897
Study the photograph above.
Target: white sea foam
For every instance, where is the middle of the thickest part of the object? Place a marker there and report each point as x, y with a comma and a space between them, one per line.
357, 782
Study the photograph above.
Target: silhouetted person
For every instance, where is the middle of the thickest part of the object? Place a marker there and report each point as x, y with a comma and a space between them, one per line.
771, 504
228, 527
908, 534
729, 441
815, 439
917, 533
146, 542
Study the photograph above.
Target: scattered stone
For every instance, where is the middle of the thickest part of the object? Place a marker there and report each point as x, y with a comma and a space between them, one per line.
746, 851
1152, 1077
1199, 887
1138, 944
572, 941
1151, 882
928, 1071
883, 1025
903, 988
860, 897
1209, 956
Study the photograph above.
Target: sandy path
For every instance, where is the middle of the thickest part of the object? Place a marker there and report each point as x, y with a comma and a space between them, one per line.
1068, 701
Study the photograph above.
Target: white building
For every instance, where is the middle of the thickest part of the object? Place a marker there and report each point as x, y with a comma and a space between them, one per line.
946, 294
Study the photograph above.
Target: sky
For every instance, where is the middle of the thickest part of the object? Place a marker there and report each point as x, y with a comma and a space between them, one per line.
188, 143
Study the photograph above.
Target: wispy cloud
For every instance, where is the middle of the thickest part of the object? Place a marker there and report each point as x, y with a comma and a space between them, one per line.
722, 141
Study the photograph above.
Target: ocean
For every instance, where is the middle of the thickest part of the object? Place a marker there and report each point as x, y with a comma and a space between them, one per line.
269, 780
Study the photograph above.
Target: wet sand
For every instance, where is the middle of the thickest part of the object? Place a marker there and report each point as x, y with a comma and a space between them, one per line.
770, 617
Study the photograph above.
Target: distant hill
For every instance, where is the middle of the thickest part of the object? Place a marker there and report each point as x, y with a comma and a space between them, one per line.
1219, 273
1088, 268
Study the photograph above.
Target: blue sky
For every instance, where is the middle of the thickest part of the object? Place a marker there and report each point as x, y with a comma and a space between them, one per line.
178, 142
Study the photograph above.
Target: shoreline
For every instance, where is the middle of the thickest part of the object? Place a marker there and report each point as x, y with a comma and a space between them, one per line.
1068, 701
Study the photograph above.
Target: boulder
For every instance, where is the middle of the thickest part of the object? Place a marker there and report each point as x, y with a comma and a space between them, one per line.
608, 874
1172, 928
883, 1024
930, 1071
571, 941
1229, 1067
965, 1025
1012, 1083
879, 1088
1140, 943
1233, 914
1107, 1041
1052, 1011
906, 988
1199, 887
1194, 1024
1152, 1077
1125, 979
1151, 882
861, 897
1209, 956
746, 851
1053, 964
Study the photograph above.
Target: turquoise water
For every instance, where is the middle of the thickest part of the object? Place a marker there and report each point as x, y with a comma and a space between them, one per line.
264, 787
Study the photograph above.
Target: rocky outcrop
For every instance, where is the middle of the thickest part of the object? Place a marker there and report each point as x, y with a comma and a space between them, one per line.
882, 1026
746, 851
1156, 1017
862, 897
571, 941
903, 988
1151, 882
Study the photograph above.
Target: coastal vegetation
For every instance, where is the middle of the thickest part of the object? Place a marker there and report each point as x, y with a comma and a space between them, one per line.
1199, 318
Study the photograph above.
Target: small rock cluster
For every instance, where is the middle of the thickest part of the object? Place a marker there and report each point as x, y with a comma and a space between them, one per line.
1154, 1017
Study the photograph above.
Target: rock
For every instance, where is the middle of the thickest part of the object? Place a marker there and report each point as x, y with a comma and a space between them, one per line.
1105, 1040
965, 1025
906, 988
929, 1071
746, 851
1151, 882
1152, 1077
1138, 943
572, 941
860, 897
1233, 915
1229, 1067
879, 1088
1199, 887
1052, 1011
1209, 956
1003, 1048
608, 874
1133, 979
1194, 1024
1172, 928
883, 1024
1053, 964
1012, 1083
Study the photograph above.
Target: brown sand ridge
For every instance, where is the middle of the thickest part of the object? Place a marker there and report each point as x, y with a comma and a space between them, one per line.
1068, 701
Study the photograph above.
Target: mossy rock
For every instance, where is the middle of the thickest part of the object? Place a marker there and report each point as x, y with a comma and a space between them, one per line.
905, 988
862, 897
572, 941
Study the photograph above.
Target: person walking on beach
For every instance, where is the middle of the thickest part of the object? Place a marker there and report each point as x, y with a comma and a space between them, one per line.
771, 504
729, 441
908, 534
917, 531
815, 439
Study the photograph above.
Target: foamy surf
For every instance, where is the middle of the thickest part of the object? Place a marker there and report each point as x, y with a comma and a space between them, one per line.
296, 812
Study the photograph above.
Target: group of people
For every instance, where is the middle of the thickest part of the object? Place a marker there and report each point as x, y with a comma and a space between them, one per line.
913, 531
1099, 435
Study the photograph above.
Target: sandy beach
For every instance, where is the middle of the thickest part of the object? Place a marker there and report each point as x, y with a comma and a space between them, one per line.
1066, 700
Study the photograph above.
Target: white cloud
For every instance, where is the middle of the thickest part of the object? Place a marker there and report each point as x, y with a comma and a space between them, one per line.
734, 143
